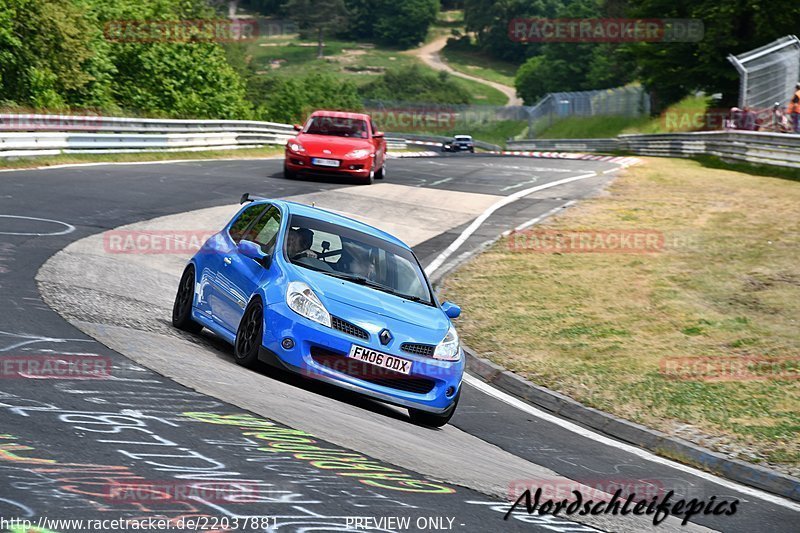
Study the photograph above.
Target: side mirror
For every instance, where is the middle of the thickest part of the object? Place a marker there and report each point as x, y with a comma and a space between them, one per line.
254, 252
297, 127
378, 135
451, 309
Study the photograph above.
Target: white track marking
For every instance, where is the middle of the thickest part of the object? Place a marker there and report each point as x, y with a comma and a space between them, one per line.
69, 227
100, 163
456, 244
639, 452
541, 217
439, 182
518, 185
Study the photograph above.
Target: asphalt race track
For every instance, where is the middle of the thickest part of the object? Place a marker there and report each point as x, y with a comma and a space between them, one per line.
176, 409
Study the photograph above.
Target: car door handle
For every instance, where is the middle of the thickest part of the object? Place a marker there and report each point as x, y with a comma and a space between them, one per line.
227, 260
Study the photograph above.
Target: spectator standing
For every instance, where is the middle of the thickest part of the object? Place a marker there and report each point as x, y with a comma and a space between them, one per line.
794, 109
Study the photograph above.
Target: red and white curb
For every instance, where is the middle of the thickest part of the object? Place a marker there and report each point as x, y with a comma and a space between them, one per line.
620, 160
401, 155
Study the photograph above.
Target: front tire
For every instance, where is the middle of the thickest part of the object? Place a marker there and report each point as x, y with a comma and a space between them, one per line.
370, 179
288, 174
248, 335
424, 418
182, 308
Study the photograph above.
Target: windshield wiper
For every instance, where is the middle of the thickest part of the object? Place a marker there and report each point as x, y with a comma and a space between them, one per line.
374, 285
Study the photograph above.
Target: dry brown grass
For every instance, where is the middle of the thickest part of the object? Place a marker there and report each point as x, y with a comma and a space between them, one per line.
597, 326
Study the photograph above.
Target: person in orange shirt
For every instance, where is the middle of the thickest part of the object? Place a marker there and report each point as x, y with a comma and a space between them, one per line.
794, 109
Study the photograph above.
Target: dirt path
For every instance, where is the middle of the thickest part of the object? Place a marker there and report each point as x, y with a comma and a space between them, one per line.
429, 54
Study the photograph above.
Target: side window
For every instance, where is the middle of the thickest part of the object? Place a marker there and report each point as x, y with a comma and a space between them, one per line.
245, 219
373, 126
265, 231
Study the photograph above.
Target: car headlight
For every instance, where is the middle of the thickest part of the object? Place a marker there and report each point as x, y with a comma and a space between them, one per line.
295, 146
361, 153
450, 347
302, 300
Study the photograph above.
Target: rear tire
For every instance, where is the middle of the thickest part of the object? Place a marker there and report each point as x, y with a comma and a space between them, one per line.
424, 418
248, 335
381, 173
182, 308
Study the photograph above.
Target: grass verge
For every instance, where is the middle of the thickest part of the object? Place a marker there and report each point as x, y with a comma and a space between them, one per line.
359, 63
46, 161
599, 127
683, 116
480, 65
600, 327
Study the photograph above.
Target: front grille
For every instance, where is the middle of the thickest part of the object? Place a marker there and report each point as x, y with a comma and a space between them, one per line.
418, 349
346, 327
371, 373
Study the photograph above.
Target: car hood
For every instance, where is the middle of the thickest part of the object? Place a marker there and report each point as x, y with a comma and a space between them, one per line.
338, 146
339, 295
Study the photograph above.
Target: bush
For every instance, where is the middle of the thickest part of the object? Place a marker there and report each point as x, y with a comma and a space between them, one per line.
290, 100
413, 84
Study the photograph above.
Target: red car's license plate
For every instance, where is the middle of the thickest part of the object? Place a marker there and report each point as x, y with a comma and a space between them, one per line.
324, 162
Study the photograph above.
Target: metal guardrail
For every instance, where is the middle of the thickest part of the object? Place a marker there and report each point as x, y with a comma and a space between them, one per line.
568, 145
93, 123
27, 135
757, 147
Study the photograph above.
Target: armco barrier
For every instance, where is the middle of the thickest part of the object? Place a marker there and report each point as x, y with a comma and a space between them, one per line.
26, 135
566, 145
757, 147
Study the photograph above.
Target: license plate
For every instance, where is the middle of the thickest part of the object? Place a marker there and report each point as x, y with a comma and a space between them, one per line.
383, 360
324, 162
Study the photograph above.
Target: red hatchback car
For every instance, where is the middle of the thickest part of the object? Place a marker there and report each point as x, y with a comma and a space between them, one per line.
332, 142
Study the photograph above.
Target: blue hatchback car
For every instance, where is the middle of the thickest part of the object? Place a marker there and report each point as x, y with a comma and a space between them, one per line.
331, 298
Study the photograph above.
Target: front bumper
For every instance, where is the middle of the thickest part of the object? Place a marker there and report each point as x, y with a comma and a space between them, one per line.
358, 168
320, 353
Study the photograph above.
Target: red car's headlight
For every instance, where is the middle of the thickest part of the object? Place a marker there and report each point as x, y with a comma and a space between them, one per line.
361, 153
295, 146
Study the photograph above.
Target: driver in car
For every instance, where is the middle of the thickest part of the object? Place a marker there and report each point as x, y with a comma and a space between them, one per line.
298, 243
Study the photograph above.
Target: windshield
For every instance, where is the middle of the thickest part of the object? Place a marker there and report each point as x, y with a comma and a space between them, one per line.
357, 257
337, 126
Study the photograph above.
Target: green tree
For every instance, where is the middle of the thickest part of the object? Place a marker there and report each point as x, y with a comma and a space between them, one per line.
672, 70
489, 21
399, 23
180, 80
283, 99
44, 53
404, 23
318, 18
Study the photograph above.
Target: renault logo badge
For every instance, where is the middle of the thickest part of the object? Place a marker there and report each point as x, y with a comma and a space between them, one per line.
385, 336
